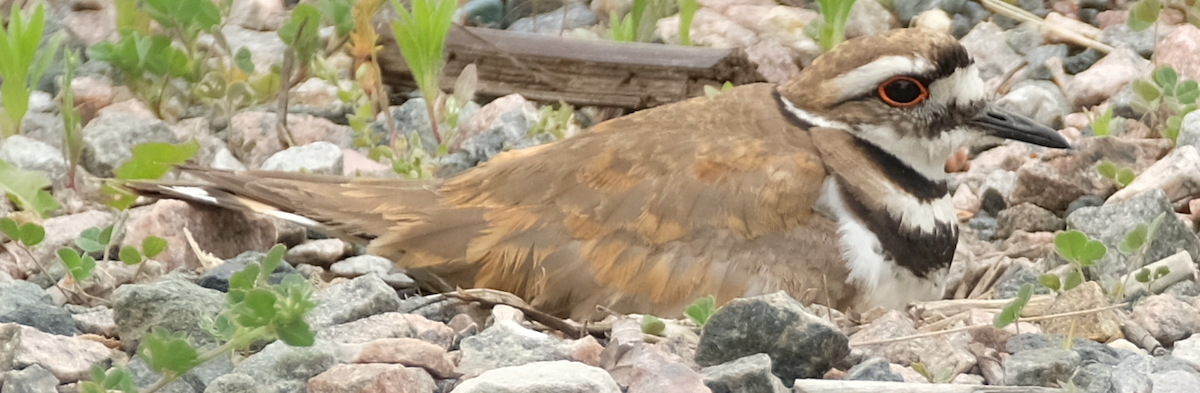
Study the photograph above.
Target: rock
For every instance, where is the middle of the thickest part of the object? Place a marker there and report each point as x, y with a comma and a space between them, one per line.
709, 28
571, 16
389, 325
233, 383
1026, 342
1174, 381
1094, 352
1041, 101
1105, 78
1180, 49
412, 116
27, 304
283, 368
218, 277
1110, 223
991, 52
367, 264
983, 225
1119, 35
352, 300
259, 15
966, 200
1059, 177
647, 369
1027, 217
500, 125
320, 252
34, 155
1177, 174
937, 353
1094, 378
1132, 375
1068, 24
265, 47
1189, 131
195, 380
873, 369
173, 304
1082, 61
1166, 318
936, 20
553, 376
109, 139
1103, 326
318, 157
507, 344
372, 378
868, 17
1188, 351
801, 344
1025, 38
1014, 278
748, 374
254, 134
1040, 367
68, 358
96, 320
32, 379
1038, 59
224, 233
317, 97
409, 352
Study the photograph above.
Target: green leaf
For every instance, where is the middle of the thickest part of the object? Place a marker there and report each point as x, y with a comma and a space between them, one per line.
153, 245
26, 189
1187, 92
259, 308
1143, 276
150, 160
1012, 310
244, 279
295, 332
1101, 124
244, 60
32, 234
300, 32
653, 325
1074, 278
1125, 176
79, 267
1050, 281
1134, 240
1161, 272
271, 262
89, 240
130, 255
1146, 90
701, 310
10, 228
1166, 78
1143, 14
1107, 169
167, 353
834, 13
687, 11
1076, 247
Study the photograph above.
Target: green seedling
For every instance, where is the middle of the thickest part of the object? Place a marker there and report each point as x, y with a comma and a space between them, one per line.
687, 11
1120, 175
1012, 310
27, 189
1080, 252
834, 14
72, 146
940, 375
653, 325
1102, 124
1164, 96
701, 310
28, 234
710, 91
1143, 14
22, 64
150, 161
421, 35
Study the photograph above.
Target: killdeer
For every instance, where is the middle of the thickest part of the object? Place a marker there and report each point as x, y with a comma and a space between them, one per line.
830, 186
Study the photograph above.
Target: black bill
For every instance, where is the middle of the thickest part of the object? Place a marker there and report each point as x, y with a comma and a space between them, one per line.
1004, 124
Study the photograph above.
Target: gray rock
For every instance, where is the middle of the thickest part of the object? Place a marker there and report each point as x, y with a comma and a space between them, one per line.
389, 325
27, 304
1122, 104
577, 15
542, 377
1027, 217
1094, 378
412, 117
1132, 375
218, 277
1183, 289
1188, 351
1081, 61
991, 52
108, 140
1189, 131
507, 344
233, 383
1040, 367
1038, 57
800, 343
1110, 223
1120, 34
868, 18
1026, 38
283, 368
195, 380
908, 9
33, 155
366, 264
500, 125
1174, 381
32, 379
173, 304
983, 225
1093, 352
748, 374
1026, 342
1083, 201
318, 157
1017, 276
993, 201
1039, 100
352, 300
873, 369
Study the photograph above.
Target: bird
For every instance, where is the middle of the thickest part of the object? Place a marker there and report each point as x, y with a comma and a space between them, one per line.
829, 186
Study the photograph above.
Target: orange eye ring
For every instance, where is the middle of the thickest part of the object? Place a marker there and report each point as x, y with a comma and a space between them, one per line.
903, 92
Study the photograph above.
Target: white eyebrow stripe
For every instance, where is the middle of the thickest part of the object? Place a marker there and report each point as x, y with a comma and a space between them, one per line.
867, 77
963, 86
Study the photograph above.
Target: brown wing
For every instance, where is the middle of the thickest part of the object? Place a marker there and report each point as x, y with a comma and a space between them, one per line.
644, 213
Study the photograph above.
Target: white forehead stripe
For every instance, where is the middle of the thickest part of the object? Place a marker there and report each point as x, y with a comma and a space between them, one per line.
868, 76
963, 86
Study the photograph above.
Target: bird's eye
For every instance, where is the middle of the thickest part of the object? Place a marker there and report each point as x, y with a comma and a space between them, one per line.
903, 92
